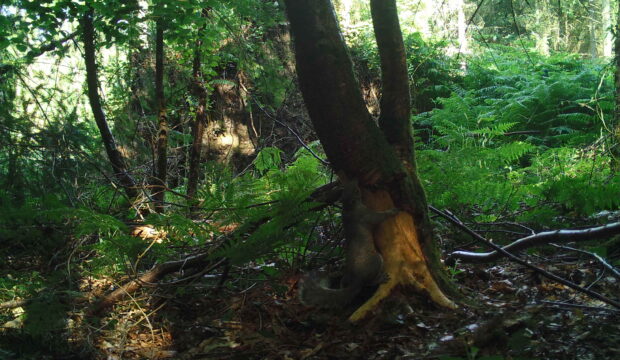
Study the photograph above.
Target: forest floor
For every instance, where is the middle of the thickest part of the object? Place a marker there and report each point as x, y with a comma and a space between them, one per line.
509, 313
513, 315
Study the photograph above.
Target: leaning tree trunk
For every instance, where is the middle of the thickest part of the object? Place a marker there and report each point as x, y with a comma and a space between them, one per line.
116, 159
162, 134
395, 121
357, 148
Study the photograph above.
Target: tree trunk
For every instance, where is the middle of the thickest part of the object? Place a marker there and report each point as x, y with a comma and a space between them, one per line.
606, 28
394, 118
162, 134
198, 127
358, 149
560, 42
593, 46
116, 159
462, 32
615, 143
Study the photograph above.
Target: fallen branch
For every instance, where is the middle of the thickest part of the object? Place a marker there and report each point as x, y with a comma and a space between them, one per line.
65, 297
11, 304
323, 196
600, 259
522, 132
570, 306
539, 239
151, 278
454, 220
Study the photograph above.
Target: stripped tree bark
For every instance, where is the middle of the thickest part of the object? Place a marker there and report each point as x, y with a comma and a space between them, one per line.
381, 161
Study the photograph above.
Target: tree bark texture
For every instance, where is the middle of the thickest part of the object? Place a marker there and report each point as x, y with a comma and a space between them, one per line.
358, 149
394, 119
396, 92
116, 159
198, 127
561, 28
592, 27
162, 133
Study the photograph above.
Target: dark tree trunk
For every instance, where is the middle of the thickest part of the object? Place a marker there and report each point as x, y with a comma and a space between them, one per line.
116, 159
394, 119
561, 26
162, 134
198, 129
200, 92
615, 143
358, 149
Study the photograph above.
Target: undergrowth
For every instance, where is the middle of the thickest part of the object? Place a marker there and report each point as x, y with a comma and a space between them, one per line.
521, 143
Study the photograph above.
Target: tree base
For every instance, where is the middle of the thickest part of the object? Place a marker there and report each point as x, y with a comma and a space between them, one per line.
404, 262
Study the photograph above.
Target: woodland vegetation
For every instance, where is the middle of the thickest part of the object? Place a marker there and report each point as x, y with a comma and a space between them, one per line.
172, 174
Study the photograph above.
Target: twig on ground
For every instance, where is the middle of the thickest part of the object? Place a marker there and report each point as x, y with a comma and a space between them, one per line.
454, 220
579, 306
150, 278
542, 238
607, 265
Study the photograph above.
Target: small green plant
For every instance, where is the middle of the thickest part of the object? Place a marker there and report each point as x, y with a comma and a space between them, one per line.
454, 270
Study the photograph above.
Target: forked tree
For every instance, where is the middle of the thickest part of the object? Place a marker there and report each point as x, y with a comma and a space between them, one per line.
380, 156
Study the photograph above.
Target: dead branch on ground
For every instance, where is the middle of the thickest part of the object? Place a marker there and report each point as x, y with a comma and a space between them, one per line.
539, 239
456, 221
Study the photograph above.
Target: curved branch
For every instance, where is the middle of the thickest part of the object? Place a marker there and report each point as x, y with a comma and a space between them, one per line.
456, 221
539, 239
53, 45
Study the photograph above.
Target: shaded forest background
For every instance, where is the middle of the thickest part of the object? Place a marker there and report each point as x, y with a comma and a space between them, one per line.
516, 132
